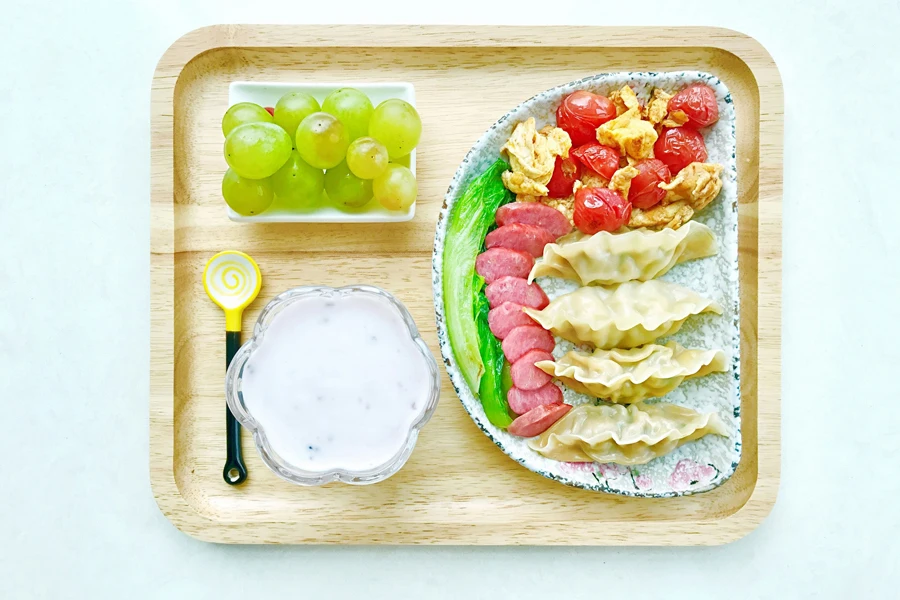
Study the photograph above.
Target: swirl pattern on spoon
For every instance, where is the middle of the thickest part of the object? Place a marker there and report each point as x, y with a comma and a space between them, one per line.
231, 279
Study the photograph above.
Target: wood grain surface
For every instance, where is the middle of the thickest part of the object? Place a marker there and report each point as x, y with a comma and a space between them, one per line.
457, 487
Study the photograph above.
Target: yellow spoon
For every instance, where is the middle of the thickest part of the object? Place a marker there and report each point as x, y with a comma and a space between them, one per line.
232, 280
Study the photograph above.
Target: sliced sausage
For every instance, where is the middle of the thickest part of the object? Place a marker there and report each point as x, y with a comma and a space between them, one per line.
534, 213
518, 290
521, 401
525, 375
538, 420
523, 339
524, 238
502, 262
507, 317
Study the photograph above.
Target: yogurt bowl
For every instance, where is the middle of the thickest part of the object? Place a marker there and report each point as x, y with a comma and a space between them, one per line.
334, 385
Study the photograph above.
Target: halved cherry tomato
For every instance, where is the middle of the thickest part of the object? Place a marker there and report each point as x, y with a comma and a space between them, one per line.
565, 174
538, 420
601, 159
271, 110
698, 102
581, 113
600, 209
679, 147
645, 192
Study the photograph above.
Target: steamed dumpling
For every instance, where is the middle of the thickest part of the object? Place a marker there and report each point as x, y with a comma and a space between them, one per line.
609, 258
626, 376
627, 435
633, 314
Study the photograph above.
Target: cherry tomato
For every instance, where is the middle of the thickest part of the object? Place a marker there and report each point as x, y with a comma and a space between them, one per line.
645, 192
565, 173
581, 113
271, 110
679, 147
698, 102
603, 160
600, 209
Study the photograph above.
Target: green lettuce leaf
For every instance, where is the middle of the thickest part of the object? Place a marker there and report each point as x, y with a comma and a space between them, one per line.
468, 223
491, 390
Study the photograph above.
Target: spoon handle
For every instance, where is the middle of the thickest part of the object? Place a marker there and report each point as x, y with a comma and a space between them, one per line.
234, 472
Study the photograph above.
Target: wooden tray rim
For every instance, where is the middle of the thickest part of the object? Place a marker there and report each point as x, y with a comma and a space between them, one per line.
745, 48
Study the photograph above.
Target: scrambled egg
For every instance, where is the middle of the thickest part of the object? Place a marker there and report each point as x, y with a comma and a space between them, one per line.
532, 156
624, 99
558, 141
676, 118
661, 216
591, 179
564, 205
621, 180
519, 183
697, 184
690, 191
658, 111
632, 136
658, 107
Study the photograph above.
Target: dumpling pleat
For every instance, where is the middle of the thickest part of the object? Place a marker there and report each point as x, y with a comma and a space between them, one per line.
610, 258
627, 435
629, 315
628, 376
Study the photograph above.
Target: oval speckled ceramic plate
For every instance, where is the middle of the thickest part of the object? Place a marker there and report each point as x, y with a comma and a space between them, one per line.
694, 467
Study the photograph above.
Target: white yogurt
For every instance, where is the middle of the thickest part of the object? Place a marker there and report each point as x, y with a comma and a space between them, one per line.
337, 383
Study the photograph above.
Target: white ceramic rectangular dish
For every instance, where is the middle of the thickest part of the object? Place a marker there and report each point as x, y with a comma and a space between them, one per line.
268, 93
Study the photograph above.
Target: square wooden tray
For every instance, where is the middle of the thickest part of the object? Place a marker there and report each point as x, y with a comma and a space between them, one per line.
457, 488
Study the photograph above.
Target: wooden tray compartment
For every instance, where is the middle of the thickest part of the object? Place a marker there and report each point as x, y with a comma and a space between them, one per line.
457, 488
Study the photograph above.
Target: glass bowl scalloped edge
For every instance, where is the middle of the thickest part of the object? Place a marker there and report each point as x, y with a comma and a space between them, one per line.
280, 467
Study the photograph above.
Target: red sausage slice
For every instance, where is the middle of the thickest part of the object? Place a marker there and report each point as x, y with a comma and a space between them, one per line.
525, 375
507, 317
521, 401
534, 213
518, 290
524, 339
538, 420
503, 262
524, 238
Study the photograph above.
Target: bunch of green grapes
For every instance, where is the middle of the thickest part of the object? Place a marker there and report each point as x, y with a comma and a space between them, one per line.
383, 156
299, 152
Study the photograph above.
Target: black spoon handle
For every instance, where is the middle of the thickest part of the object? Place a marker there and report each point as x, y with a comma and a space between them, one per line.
234, 472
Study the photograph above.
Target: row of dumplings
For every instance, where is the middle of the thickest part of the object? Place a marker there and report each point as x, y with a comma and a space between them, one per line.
620, 311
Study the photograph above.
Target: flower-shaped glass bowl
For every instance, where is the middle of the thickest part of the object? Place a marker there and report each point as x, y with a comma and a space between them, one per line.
235, 398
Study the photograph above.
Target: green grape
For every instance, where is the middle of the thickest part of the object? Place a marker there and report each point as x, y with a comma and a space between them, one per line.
243, 113
352, 107
403, 161
345, 188
396, 189
257, 150
292, 108
322, 140
297, 184
397, 125
246, 196
367, 158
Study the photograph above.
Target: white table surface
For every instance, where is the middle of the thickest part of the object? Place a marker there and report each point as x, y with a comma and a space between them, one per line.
78, 518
